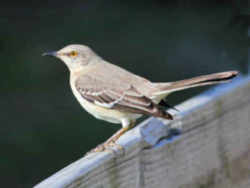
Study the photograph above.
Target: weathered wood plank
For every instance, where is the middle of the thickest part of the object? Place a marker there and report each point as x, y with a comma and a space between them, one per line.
212, 151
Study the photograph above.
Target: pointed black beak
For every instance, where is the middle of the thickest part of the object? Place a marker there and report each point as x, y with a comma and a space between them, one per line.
50, 54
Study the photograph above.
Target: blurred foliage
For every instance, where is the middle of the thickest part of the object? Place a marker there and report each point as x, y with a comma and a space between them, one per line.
43, 128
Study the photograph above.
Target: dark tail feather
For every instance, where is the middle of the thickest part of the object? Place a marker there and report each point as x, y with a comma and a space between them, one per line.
163, 103
160, 112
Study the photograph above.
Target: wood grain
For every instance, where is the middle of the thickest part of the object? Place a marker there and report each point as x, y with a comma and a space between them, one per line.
213, 149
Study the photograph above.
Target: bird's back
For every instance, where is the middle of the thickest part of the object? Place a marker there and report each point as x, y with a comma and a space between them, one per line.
119, 76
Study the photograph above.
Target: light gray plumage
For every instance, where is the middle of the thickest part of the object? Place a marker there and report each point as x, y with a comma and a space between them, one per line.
111, 93
111, 87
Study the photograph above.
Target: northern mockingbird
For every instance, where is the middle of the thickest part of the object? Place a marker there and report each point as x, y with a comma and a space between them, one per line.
113, 94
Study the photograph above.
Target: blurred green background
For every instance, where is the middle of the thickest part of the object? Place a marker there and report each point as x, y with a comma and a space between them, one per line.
43, 128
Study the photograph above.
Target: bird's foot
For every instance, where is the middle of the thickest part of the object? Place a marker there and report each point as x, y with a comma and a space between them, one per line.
110, 145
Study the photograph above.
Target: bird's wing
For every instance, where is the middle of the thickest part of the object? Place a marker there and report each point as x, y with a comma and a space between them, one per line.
115, 94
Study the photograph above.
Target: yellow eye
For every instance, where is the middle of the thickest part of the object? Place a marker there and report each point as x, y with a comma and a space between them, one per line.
73, 54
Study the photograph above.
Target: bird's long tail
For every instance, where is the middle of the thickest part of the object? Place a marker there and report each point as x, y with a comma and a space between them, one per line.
166, 88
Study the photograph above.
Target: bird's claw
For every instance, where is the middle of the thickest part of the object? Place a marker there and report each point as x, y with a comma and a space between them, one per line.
111, 145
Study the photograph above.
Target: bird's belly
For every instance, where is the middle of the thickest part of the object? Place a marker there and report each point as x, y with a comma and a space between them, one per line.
110, 115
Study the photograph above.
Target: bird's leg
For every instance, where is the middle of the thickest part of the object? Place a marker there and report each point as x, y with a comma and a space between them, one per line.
117, 135
111, 141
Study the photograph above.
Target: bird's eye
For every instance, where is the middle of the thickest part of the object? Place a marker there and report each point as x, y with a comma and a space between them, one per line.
73, 53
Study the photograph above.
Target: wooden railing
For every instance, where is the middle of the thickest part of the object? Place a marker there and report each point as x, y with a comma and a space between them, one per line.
207, 145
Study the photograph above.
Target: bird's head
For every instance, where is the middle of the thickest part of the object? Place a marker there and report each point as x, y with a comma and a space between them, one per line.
75, 56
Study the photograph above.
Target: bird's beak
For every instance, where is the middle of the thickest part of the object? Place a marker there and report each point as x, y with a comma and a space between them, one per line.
50, 54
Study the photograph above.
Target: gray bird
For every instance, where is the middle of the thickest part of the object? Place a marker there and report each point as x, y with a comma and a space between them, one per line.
113, 94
